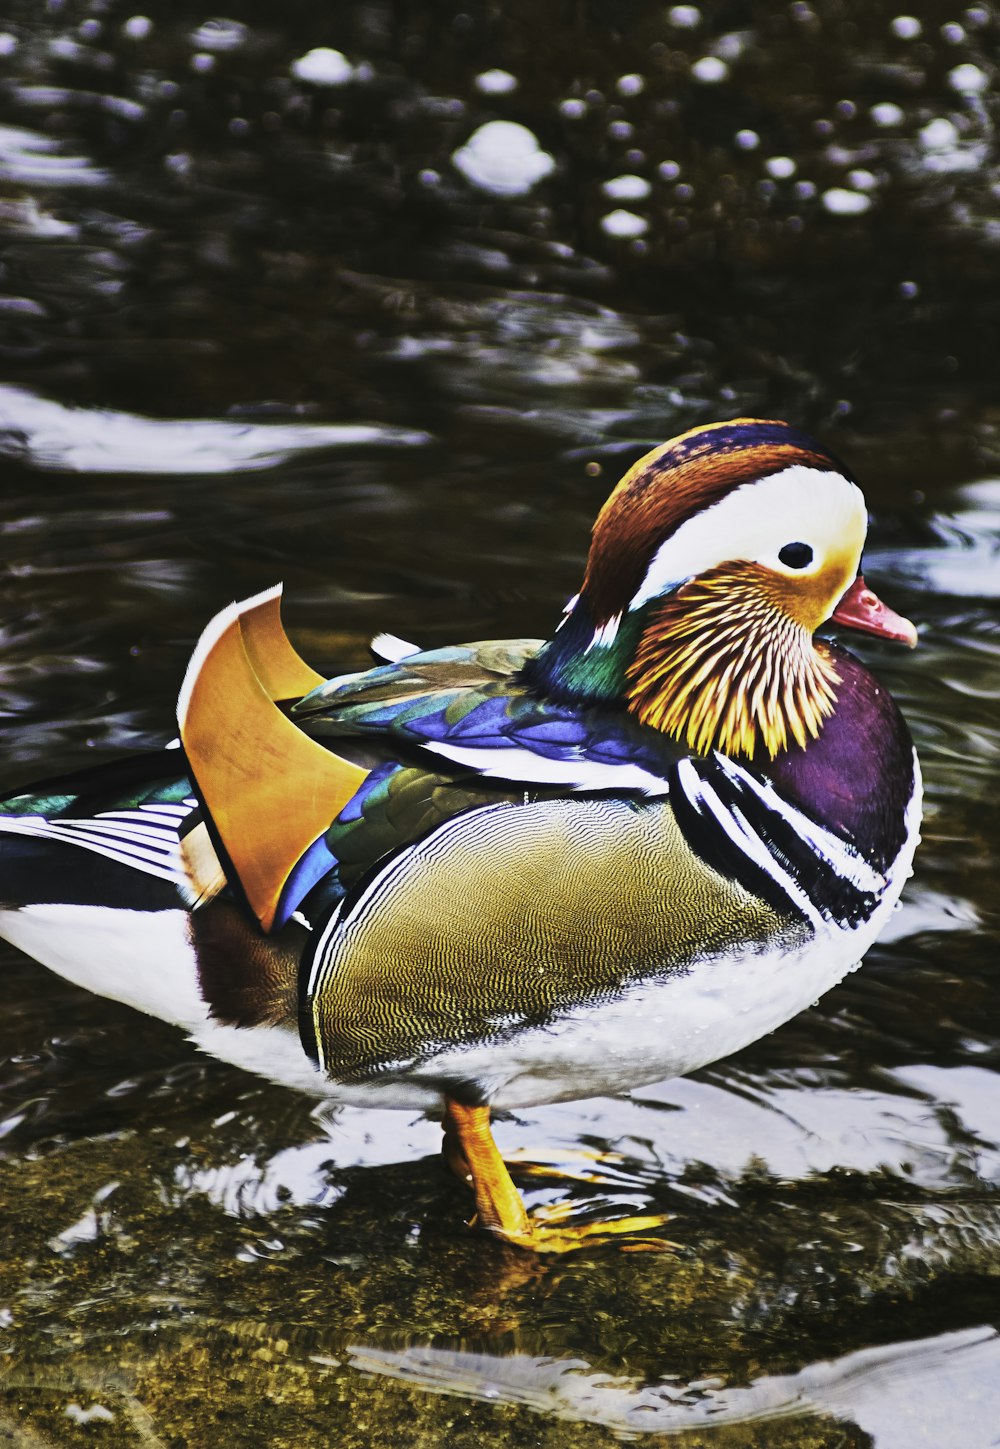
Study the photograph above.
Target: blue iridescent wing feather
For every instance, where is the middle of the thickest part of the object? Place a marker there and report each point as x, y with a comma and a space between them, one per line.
453, 701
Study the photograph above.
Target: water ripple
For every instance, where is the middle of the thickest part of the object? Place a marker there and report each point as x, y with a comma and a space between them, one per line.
927, 1391
50, 436
29, 157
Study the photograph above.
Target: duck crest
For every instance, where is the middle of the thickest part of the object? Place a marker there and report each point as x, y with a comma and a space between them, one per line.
718, 666
704, 465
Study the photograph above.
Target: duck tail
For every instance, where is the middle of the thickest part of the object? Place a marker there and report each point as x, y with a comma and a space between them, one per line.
107, 835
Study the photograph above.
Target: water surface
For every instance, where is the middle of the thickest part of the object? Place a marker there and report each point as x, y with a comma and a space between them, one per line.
272, 308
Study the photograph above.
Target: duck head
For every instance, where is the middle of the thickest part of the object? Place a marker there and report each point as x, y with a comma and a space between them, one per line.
711, 567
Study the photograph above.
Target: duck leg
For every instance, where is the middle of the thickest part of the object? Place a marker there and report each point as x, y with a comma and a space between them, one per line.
470, 1152
472, 1155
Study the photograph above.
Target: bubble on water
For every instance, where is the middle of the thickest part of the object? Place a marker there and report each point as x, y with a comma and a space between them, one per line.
839, 201
684, 17
96, 1412
968, 79
710, 70
137, 27
733, 45
906, 27
939, 134
747, 140
886, 113
624, 224
219, 34
496, 82
323, 67
780, 167
572, 108
503, 157
627, 188
631, 85
942, 142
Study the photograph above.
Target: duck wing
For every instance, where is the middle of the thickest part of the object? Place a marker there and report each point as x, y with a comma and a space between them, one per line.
470, 705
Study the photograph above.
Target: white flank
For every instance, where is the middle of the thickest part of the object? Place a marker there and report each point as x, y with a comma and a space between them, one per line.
276, 1053
141, 958
145, 960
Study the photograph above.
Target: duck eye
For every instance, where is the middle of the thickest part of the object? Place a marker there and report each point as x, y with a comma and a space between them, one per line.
796, 555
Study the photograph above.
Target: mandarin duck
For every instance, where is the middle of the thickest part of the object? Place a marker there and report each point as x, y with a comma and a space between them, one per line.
511, 873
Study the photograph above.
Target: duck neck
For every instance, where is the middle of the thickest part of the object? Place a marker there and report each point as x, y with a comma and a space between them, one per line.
720, 666
745, 680
586, 662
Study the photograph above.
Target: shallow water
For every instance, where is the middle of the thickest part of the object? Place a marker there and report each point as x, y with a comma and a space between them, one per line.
256, 326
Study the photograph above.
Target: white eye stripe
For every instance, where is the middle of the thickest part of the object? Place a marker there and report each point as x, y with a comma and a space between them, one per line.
800, 504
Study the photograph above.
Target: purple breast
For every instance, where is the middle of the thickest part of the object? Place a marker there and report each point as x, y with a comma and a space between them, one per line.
857, 778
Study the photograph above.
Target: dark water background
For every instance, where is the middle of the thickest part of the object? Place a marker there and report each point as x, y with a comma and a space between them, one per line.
256, 326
